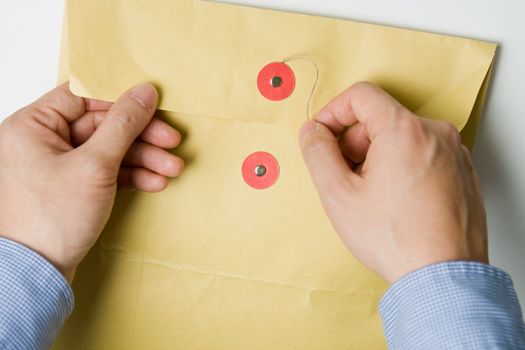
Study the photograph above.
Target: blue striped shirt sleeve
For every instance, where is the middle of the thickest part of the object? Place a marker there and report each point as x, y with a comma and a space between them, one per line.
35, 299
453, 305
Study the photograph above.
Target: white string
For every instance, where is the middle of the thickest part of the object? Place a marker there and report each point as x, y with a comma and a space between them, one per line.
293, 58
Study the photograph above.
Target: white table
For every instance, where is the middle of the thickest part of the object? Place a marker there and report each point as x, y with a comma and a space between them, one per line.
30, 39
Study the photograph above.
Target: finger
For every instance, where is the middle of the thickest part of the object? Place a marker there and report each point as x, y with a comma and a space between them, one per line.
62, 102
59, 107
466, 158
354, 143
141, 179
55, 110
161, 134
83, 128
158, 132
153, 158
124, 122
364, 103
323, 158
467, 154
448, 131
97, 105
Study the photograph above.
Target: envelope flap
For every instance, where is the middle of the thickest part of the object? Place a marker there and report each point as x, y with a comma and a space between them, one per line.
206, 57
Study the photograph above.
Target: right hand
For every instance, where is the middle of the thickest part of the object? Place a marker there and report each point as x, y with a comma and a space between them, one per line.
400, 190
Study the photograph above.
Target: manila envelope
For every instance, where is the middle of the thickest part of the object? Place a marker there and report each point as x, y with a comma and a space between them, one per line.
234, 255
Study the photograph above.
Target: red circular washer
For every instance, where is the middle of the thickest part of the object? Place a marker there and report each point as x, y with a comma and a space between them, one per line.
276, 81
260, 170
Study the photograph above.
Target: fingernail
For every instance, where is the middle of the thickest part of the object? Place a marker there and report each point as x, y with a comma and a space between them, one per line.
307, 128
145, 95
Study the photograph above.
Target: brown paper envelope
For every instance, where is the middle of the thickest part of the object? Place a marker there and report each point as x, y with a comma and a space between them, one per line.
213, 263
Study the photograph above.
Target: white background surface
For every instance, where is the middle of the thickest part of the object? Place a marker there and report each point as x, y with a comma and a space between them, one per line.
30, 40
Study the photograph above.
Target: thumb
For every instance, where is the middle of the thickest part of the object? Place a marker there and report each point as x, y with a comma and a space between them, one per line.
124, 122
324, 159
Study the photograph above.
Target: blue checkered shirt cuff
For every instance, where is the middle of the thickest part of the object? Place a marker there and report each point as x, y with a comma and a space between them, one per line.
453, 305
35, 299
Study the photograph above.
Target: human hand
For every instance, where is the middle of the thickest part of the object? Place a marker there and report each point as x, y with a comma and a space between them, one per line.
400, 190
61, 160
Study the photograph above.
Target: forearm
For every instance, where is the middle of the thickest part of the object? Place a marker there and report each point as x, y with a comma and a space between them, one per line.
455, 305
35, 299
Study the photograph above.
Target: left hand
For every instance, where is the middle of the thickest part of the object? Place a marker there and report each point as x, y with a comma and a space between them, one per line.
61, 160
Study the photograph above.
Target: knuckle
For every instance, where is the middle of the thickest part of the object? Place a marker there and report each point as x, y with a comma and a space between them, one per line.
451, 134
408, 125
98, 118
48, 119
62, 96
314, 144
6, 125
362, 90
450, 129
123, 120
11, 129
363, 86
13, 121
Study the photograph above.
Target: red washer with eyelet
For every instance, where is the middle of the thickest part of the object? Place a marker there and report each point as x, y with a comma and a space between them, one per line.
260, 170
276, 81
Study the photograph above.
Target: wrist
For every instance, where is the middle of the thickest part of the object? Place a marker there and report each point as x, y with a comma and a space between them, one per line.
447, 299
68, 272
